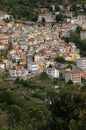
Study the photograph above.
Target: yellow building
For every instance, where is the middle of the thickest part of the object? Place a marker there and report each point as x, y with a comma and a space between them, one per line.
74, 56
41, 66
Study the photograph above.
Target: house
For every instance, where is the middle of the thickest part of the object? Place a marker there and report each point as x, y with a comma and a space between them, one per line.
44, 10
83, 74
73, 75
48, 17
3, 39
52, 72
76, 21
2, 47
68, 14
81, 63
67, 57
49, 62
15, 58
8, 64
62, 49
32, 68
74, 56
83, 34
72, 47
24, 47
40, 66
2, 65
65, 31
3, 15
37, 57
8, 16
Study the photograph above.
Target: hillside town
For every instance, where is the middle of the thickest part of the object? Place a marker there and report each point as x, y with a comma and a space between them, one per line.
30, 49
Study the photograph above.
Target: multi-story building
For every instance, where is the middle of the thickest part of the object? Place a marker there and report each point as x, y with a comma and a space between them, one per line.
3, 39
52, 72
73, 75
32, 68
18, 73
2, 65
48, 17
83, 34
81, 63
83, 74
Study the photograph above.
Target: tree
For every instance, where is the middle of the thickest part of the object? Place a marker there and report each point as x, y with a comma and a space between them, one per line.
60, 59
73, 125
59, 18
74, 8
7, 20
57, 8
70, 82
5, 75
76, 13
69, 66
51, 9
35, 18
14, 115
39, 117
43, 75
50, 66
78, 29
43, 20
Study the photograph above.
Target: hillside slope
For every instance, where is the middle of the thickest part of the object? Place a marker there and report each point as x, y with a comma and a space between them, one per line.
27, 9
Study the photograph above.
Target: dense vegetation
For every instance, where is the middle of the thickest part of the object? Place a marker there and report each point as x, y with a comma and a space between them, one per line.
28, 9
42, 103
75, 37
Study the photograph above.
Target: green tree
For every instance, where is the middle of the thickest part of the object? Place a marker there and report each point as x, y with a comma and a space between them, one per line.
35, 18
60, 59
43, 21
14, 115
57, 8
5, 75
51, 9
74, 7
73, 125
59, 18
50, 66
40, 117
44, 76
69, 66
70, 82
78, 29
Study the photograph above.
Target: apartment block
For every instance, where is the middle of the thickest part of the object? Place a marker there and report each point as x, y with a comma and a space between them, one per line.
73, 75
81, 63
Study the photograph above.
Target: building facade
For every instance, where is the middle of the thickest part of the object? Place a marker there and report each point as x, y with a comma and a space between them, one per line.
73, 75
81, 63
83, 35
52, 72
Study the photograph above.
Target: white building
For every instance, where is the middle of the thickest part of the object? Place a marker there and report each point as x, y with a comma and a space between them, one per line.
32, 68
73, 48
73, 75
81, 63
83, 35
52, 72
18, 73
2, 47
62, 49
2, 65
3, 15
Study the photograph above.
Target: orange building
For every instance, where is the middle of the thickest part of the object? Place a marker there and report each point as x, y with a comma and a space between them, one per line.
83, 74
